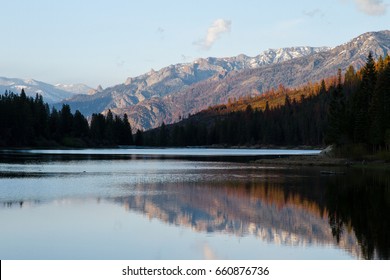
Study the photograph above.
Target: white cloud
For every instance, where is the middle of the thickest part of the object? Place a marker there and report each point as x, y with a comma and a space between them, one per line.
372, 7
214, 32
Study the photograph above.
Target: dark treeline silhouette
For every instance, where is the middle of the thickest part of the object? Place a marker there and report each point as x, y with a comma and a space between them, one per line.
298, 117
359, 112
354, 109
350, 111
295, 123
27, 121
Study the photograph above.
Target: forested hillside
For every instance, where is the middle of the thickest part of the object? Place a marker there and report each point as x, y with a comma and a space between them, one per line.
178, 90
349, 108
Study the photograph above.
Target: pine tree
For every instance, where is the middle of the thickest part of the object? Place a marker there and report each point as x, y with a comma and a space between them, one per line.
54, 125
376, 108
362, 101
322, 87
41, 115
163, 135
109, 133
23, 130
139, 141
380, 65
336, 132
66, 121
97, 129
384, 87
23, 95
80, 128
126, 133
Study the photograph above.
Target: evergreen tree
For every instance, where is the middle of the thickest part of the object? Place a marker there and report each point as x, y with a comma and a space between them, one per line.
381, 124
356, 109
109, 133
97, 129
380, 65
80, 128
139, 141
66, 121
128, 130
163, 136
41, 115
336, 132
362, 101
322, 87
126, 137
351, 81
23, 130
23, 95
54, 125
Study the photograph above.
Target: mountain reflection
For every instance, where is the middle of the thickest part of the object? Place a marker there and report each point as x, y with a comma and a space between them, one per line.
291, 207
343, 211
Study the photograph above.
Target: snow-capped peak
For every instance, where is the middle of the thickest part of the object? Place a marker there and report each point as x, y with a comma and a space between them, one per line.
50, 93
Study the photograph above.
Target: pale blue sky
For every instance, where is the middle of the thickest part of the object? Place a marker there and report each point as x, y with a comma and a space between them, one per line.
104, 42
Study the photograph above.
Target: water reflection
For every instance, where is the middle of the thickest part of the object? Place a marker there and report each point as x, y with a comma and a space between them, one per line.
290, 207
348, 211
360, 202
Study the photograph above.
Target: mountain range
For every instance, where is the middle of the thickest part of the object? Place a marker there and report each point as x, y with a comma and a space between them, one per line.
175, 91
178, 90
267, 215
174, 79
50, 93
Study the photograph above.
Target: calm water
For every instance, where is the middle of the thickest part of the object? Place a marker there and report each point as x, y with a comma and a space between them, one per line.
186, 204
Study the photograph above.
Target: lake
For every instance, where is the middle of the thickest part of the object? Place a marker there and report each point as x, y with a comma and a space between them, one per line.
187, 204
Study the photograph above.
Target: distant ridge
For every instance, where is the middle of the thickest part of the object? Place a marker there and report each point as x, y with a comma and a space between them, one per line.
178, 90
50, 93
175, 78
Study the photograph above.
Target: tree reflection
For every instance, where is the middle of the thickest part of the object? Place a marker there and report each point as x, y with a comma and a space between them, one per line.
360, 202
283, 206
291, 207
19, 204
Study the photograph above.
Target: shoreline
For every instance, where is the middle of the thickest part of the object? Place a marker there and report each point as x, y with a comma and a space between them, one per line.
323, 160
305, 160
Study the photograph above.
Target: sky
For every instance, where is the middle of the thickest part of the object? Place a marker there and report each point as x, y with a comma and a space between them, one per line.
98, 42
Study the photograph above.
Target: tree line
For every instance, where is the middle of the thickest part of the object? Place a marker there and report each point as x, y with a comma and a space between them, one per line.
28, 121
348, 109
295, 123
359, 111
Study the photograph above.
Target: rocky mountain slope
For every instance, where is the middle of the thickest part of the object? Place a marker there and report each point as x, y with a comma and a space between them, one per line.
175, 78
178, 90
50, 93
218, 89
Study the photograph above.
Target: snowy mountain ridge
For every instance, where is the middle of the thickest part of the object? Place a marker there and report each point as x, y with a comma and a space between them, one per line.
50, 93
